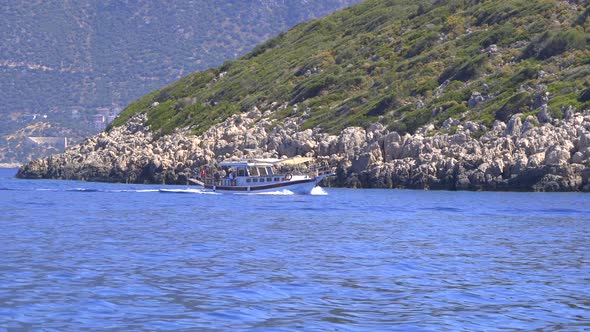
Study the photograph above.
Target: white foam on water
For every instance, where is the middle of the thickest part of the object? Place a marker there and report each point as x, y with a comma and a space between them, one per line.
283, 192
99, 190
189, 191
133, 191
318, 191
84, 190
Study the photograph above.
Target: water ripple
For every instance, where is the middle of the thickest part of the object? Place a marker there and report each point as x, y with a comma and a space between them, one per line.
83, 256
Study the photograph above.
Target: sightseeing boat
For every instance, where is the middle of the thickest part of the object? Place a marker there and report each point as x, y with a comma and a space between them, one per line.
263, 175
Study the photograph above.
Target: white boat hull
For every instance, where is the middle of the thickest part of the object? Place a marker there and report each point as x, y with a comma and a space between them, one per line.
303, 186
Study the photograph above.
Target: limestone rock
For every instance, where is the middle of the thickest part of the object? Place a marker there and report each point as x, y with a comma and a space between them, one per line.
556, 155
514, 126
475, 99
548, 156
544, 115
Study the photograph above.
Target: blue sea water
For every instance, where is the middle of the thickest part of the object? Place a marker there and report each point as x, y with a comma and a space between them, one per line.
78, 256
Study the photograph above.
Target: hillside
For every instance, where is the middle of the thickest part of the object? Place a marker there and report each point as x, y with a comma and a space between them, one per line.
454, 94
401, 63
94, 53
58, 58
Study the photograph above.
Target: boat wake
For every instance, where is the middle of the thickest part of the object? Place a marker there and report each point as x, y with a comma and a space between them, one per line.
283, 192
92, 190
83, 190
202, 191
318, 191
188, 191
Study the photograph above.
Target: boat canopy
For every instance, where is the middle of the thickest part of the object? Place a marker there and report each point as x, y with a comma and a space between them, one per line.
245, 163
266, 162
294, 161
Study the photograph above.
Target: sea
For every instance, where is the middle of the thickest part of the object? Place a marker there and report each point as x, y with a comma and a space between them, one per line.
82, 256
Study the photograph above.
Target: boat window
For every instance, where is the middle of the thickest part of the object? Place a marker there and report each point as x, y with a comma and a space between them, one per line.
261, 179
261, 171
277, 179
241, 171
269, 170
254, 180
253, 171
268, 179
248, 180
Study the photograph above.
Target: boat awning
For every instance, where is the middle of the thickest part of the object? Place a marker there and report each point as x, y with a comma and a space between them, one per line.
267, 162
294, 161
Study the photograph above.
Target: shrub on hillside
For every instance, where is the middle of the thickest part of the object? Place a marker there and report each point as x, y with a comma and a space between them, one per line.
464, 71
518, 103
383, 105
525, 74
553, 43
423, 44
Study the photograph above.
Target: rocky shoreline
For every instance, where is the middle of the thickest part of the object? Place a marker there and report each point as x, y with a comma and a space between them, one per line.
519, 155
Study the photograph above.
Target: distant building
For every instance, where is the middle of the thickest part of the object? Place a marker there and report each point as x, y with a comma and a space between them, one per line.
104, 116
39, 117
103, 111
60, 142
99, 122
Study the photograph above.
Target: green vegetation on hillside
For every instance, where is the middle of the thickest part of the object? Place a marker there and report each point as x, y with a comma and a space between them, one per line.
402, 63
88, 53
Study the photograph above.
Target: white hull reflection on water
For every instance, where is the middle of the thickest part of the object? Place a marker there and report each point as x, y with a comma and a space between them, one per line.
81, 256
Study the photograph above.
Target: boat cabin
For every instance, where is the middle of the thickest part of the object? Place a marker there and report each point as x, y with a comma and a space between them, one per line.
262, 175
248, 173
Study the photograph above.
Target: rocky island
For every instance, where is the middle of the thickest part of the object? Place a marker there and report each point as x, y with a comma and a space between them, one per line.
514, 156
428, 95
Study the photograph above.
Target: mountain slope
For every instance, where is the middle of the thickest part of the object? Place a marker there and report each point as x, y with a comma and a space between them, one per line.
402, 63
94, 53
59, 58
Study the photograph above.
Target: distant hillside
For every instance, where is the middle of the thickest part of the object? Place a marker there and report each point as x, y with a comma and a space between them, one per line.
398, 62
92, 53
59, 57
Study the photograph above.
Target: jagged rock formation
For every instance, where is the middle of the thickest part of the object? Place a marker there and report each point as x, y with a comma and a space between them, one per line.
549, 157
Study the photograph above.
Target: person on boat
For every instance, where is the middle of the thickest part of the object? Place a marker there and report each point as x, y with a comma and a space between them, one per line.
203, 173
216, 176
231, 177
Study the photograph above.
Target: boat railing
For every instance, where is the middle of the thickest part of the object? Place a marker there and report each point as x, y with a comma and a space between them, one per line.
225, 182
285, 174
